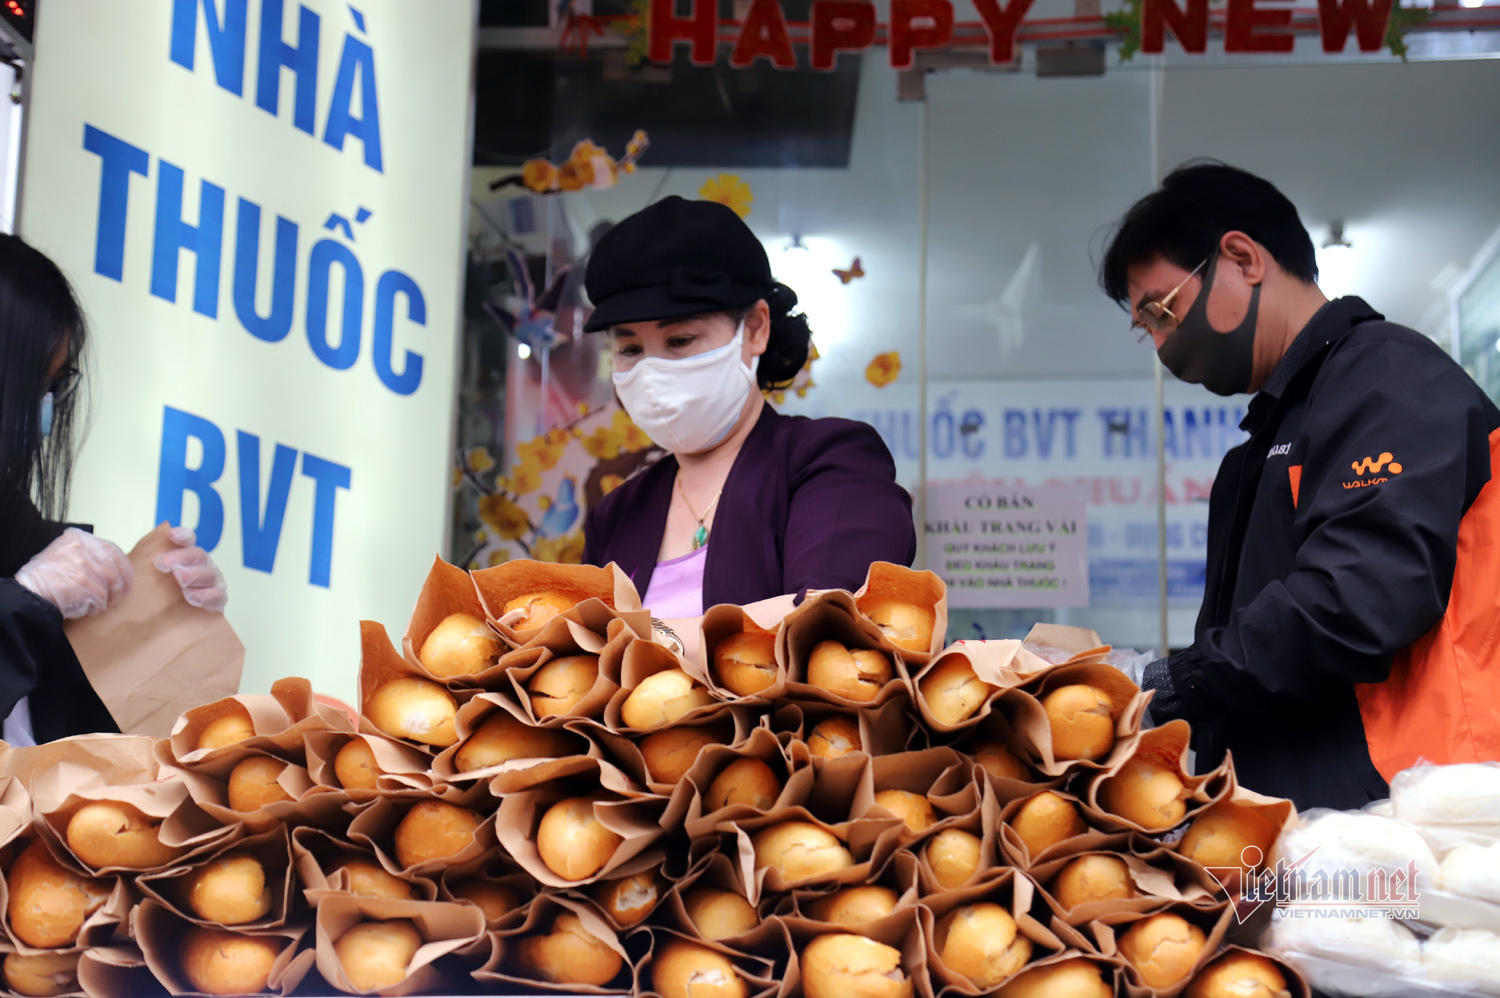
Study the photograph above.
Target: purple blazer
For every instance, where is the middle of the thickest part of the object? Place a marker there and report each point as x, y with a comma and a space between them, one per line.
809, 504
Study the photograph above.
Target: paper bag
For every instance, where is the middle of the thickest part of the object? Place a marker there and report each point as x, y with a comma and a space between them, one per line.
444, 928
152, 656
161, 933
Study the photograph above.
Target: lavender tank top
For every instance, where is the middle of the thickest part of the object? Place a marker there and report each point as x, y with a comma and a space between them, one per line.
676, 589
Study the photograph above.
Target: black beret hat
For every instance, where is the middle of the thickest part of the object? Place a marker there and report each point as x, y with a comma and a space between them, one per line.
673, 259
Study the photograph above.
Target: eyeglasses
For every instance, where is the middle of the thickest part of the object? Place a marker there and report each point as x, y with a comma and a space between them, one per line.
65, 384
1157, 316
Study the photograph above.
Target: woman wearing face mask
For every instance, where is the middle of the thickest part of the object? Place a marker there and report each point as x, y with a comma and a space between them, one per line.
749, 504
50, 572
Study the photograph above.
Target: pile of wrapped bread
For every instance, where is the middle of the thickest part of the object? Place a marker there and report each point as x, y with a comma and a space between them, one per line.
539, 795
1436, 842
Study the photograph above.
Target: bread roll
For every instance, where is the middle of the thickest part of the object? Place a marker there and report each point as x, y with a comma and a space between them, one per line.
681, 969
837, 736
953, 690
570, 954
1464, 956
719, 914
1076, 978
435, 829
217, 962
746, 662
1146, 793
49, 903
229, 728
107, 833
1082, 721
1365, 944
230, 890
1045, 820
375, 955
252, 783
845, 966
557, 687
417, 709
745, 781
857, 675
630, 899
502, 738
914, 809
671, 753
1088, 879
495, 900
800, 851
1238, 974
42, 975
980, 942
662, 698
1472, 870
1163, 948
1464, 793
369, 879
904, 625
954, 856
538, 609
854, 906
572, 842
461, 645
355, 765
1338, 840
999, 762
1221, 835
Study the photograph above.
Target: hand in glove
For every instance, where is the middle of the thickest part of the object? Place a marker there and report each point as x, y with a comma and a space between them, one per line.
201, 581
79, 573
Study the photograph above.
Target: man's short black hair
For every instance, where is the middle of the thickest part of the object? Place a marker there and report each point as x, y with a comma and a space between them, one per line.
1186, 217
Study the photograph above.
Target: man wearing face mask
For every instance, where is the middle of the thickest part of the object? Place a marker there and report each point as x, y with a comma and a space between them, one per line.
748, 505
1348, 623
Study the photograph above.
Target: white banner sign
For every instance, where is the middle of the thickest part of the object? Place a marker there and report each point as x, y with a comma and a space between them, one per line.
261, 204
998, 546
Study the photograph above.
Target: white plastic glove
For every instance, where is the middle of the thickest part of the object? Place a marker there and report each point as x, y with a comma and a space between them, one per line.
201, 581
79, 573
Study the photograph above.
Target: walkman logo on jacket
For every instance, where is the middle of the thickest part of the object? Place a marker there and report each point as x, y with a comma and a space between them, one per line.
1373, 466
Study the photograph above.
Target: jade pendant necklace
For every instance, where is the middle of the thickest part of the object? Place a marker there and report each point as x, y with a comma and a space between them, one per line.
700, 536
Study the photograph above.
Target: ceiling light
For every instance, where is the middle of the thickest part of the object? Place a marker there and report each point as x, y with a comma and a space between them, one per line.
1336, 236
523, 351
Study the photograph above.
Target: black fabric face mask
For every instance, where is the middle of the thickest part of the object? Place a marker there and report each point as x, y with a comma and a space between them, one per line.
1196, 352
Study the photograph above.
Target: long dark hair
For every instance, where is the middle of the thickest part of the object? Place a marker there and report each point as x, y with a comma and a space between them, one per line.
39, 314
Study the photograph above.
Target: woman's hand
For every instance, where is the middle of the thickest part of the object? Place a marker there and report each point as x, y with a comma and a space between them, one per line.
201, 581
79, 573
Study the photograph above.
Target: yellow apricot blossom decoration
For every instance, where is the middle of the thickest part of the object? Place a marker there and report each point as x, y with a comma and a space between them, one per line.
884, 369
728, 189
479, 460
503, 516
561, 550
526, 478
609, 483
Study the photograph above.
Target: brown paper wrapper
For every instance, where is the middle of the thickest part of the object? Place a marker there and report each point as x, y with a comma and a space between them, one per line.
15, 811
1000, 664
448, 590
1112, 971
1012, 891
983, 821
1296, 984
208, 784
110, 919
1058, 644
913, 947
380, 663
923, 589
504, 972
374, 829
996, 728
1104, 932
317, 853
281, 719
608, 586
889, 728
754, 962
160, 931
273, 849
1280, 813
1023, 710
1100, 832
497, 870
714, 869
517, 774
1167, 746
404, 769
719, 624
945, 777
642, 659
445, 929
689, 808
731, 724
117, 971
561, 639
863, 838
1159, 876
153, 656
596, 896
901, 874
635, 821
832, 616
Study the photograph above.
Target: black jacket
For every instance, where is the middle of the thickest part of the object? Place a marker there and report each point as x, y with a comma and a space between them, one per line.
1332, 544
36, 659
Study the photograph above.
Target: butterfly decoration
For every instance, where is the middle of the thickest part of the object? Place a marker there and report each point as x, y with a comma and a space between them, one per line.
533, 322
855, 270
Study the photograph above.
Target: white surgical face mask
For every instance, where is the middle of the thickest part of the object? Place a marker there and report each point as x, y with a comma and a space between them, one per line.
690, 404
